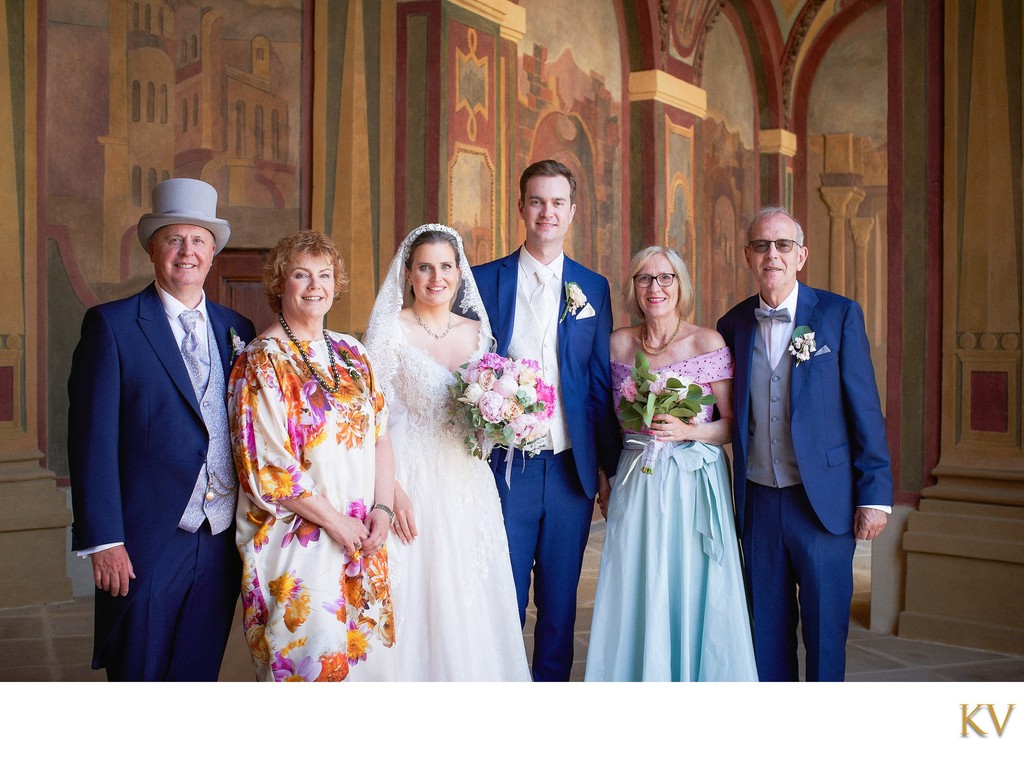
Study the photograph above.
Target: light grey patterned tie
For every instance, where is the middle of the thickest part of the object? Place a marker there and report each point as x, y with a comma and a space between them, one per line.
196, 360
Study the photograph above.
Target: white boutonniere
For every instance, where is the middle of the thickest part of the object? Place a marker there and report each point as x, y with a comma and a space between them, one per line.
802, 345
237, 344
575, 299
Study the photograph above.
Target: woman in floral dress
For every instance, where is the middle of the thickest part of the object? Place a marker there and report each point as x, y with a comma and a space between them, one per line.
316, 471
670, 602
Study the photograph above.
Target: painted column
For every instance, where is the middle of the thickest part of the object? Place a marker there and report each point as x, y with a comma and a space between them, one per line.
33, 513
965, 544
669, 109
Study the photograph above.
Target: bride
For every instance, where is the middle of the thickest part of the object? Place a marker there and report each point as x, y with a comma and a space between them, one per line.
456, 615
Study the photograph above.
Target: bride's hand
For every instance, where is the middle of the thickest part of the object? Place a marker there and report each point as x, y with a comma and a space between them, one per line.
405, 520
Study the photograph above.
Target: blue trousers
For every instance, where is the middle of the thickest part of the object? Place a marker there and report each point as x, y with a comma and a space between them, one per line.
796, 572
547, 521
177, 625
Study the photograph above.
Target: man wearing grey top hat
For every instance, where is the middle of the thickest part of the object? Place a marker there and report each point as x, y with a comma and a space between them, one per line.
152, 477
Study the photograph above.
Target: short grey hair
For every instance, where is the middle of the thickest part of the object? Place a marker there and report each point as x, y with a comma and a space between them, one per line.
767, 211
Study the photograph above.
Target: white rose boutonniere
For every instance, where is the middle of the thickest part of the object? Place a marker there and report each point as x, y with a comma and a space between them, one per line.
237, 344
575, 299
802, 345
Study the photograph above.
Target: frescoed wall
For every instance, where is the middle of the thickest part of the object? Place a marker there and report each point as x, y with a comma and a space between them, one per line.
570, 108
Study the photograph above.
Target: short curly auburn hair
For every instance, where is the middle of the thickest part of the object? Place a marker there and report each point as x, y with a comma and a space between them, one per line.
278, 262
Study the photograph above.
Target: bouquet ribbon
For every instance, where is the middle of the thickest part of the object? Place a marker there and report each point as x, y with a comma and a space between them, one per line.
689, 456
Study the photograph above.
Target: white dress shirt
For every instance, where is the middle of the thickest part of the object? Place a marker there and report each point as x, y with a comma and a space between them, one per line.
536, 335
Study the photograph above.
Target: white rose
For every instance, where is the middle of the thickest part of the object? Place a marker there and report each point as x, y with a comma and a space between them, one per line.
575, 295
472, 394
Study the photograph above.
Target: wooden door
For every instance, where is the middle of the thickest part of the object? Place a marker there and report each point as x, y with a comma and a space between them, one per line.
236, 281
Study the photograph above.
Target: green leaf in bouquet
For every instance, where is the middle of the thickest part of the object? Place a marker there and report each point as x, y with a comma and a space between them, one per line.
641, 362
682, 412
648, 412
707, 400
673, 383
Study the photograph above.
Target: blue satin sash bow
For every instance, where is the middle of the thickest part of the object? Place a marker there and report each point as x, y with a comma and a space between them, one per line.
689, 456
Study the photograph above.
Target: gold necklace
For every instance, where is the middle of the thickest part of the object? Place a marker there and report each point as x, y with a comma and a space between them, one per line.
658, 351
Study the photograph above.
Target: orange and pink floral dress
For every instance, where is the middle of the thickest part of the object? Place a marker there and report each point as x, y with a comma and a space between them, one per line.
311, 611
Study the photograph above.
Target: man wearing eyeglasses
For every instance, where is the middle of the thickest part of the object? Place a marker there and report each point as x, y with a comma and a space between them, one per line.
811, 471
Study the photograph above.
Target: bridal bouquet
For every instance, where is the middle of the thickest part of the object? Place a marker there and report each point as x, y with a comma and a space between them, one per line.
646, 394
503, 402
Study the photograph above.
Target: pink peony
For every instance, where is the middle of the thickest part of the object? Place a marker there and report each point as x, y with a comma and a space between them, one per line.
507, 386
658, 386
546, 395
491, 361
491, 406
525, 428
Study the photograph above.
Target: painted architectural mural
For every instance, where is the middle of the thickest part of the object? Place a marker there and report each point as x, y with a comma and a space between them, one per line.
162, 89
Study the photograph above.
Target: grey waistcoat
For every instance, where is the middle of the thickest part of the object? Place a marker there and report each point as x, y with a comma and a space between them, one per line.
771, 459
219, 464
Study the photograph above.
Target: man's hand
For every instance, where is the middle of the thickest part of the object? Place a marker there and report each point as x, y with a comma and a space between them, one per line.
112, 569
869, 523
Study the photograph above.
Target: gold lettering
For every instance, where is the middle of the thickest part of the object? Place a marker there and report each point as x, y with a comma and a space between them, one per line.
967, 719
995, 720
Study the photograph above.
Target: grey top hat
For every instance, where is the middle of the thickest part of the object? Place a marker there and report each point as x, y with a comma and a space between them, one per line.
184, 201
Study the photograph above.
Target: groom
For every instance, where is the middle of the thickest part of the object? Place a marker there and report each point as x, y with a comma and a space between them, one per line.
544, 306
811, 471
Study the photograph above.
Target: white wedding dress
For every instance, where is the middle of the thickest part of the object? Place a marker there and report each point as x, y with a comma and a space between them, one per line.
456, 614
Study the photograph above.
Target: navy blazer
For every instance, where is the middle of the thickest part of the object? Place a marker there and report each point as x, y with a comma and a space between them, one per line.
836, 417
136, 437
584, 362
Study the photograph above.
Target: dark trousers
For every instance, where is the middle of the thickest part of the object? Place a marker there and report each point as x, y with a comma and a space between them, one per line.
177, 625
796, 572
547, 521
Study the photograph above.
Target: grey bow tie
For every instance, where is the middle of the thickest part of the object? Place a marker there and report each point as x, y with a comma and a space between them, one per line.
767, 314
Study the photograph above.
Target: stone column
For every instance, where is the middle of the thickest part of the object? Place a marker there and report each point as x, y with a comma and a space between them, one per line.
861, 229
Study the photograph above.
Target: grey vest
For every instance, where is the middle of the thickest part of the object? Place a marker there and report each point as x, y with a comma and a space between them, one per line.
217, 475
771, 460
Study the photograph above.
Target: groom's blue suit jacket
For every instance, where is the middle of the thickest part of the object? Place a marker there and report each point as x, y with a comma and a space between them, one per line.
836, 418
583, 359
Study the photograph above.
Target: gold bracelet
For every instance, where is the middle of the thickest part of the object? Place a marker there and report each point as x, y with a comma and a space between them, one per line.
387, 510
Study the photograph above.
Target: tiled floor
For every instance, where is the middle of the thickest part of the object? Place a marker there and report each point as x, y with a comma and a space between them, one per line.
53, 642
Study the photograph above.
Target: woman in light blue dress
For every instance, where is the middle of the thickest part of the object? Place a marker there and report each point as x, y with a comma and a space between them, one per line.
670, 601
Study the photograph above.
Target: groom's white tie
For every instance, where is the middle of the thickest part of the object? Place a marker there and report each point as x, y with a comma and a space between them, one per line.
543, 299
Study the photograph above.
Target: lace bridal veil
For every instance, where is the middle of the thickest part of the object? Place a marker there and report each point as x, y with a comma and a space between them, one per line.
384, 337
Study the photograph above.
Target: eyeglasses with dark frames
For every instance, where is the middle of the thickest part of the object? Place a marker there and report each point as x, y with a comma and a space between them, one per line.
664, 279
762, 246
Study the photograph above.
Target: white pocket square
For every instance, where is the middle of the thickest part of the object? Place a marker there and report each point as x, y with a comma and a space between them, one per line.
586, 313
822, 350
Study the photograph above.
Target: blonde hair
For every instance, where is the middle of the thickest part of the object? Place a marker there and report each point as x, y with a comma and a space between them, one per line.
279, 261
686, 295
